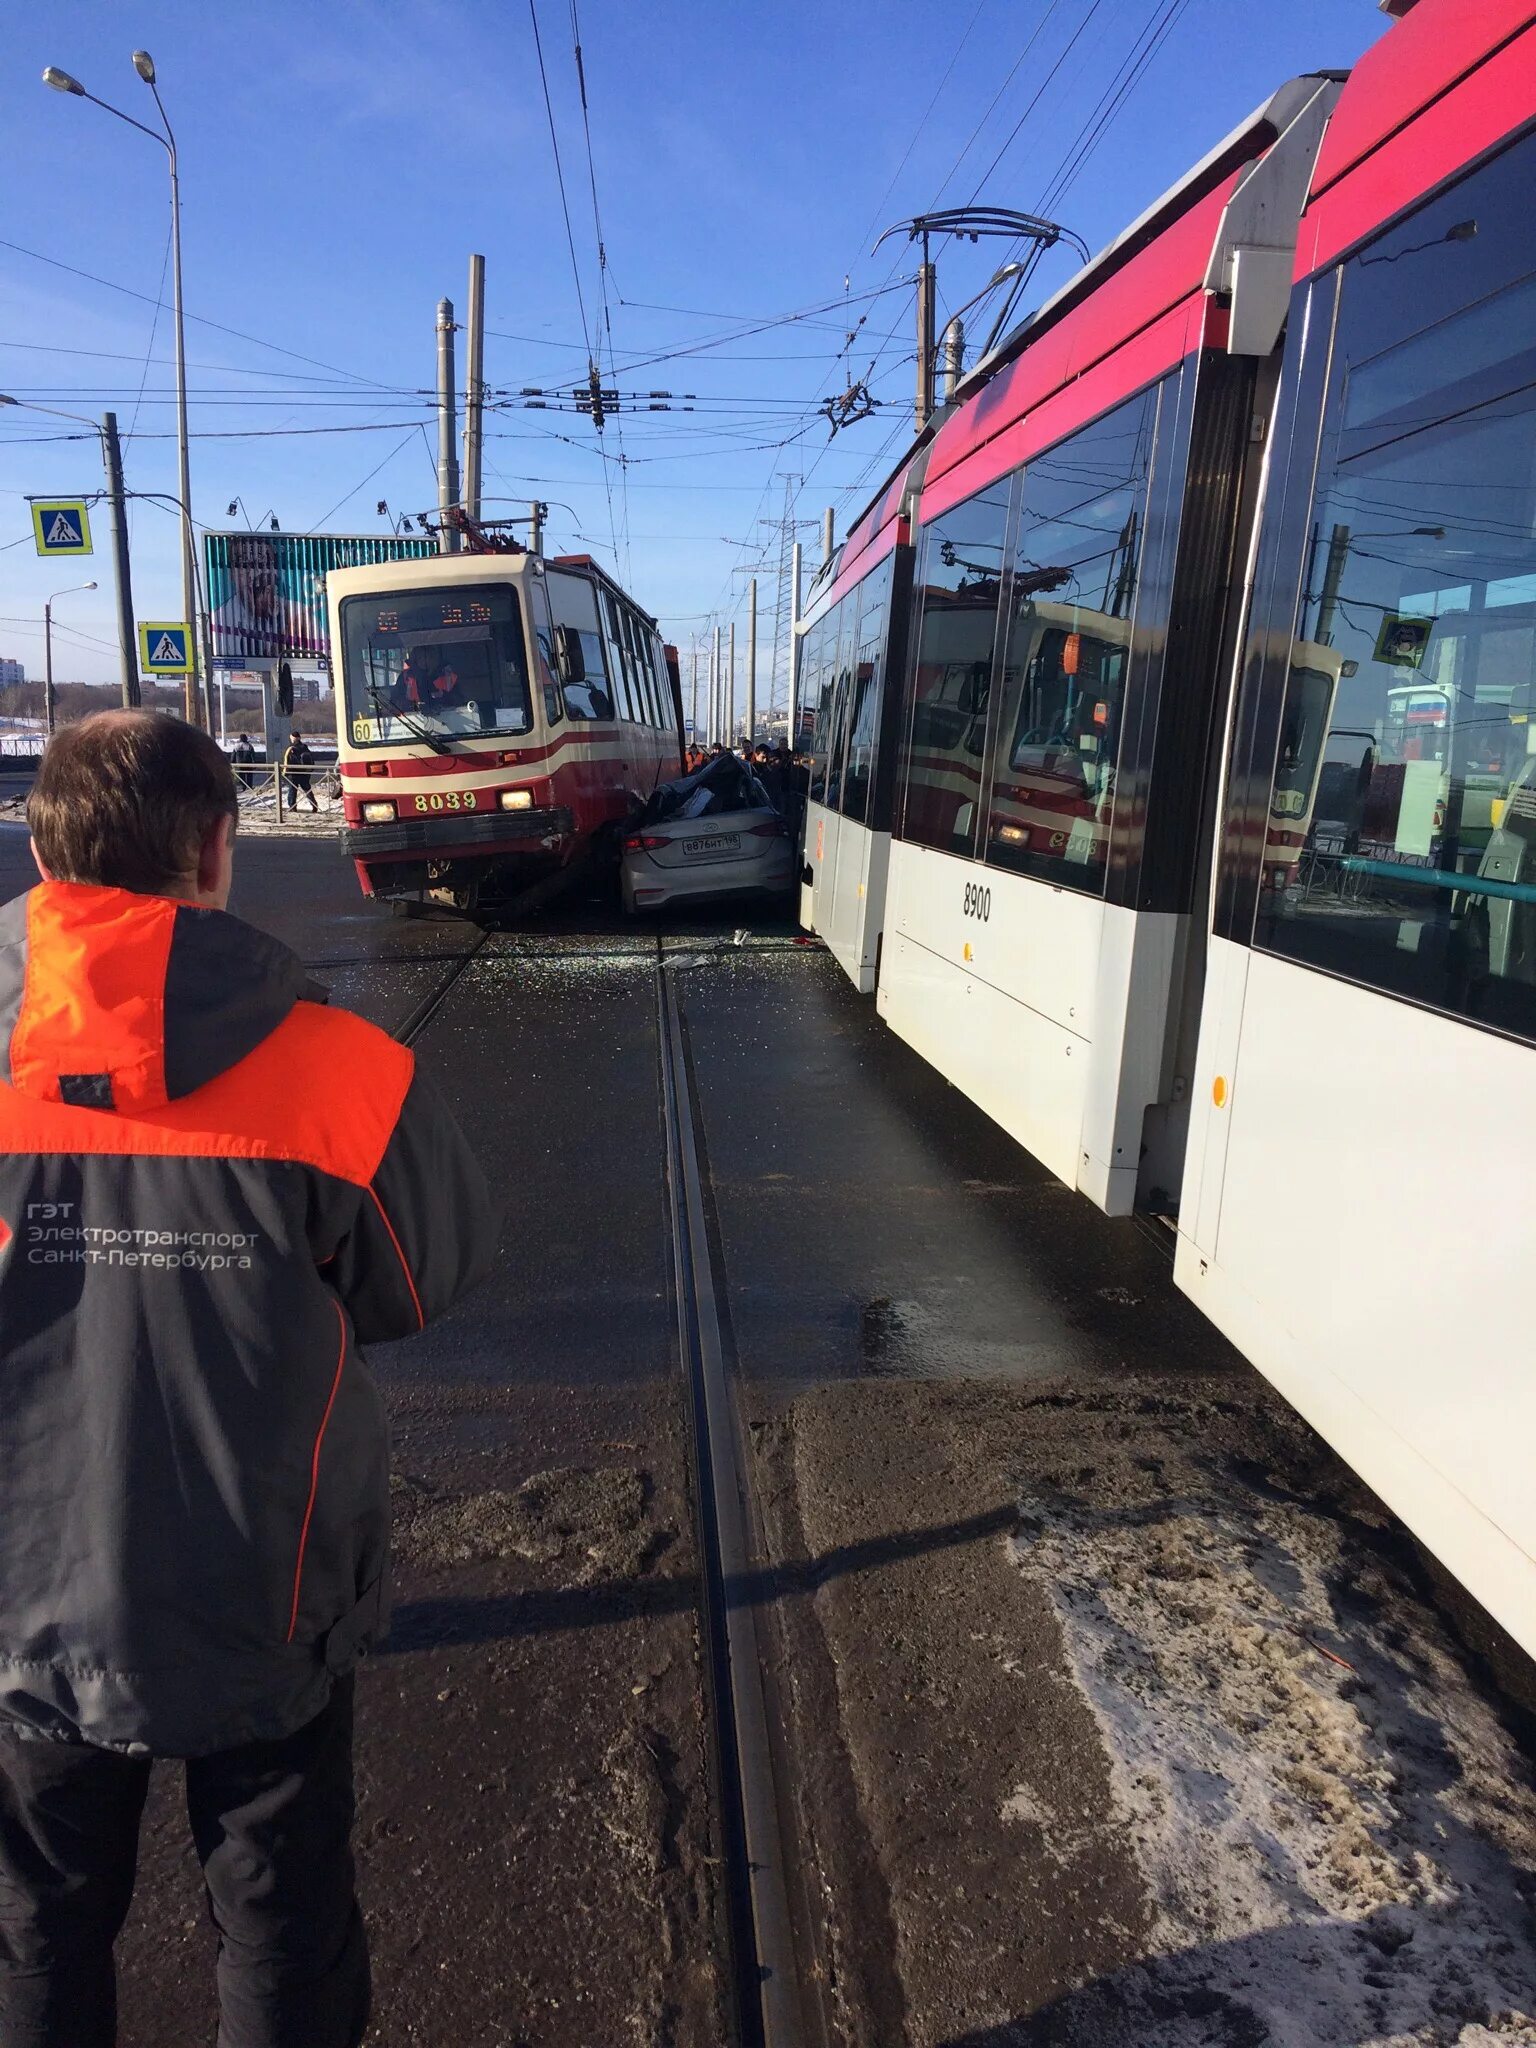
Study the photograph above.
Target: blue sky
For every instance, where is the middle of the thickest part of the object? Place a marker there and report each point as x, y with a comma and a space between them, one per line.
340, 161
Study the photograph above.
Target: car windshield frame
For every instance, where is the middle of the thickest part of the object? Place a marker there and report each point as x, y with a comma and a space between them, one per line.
437, 664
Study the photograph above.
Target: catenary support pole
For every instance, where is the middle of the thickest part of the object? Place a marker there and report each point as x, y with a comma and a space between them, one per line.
926, 286
828, 532
954, 357
537, 510
693, 730
127, 640
714, 699
730, 702
474, 386
794, 650
751, 661
1333, 576
447, 459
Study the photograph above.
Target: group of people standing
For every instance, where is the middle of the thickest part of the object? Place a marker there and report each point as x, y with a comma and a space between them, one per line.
297, 768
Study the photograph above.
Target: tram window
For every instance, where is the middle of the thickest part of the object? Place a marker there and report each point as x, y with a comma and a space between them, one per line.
959, 578
639, 668
1400, 844
644, 683
807, 658
667, 712
644, 680
804, 657
620, 662
868, 689
554, 704
589, 699
820, 701
1062, 685
440, 661
842, 701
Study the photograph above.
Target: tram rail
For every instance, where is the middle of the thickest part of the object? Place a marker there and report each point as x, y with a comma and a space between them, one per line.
764, 1981
772, 2009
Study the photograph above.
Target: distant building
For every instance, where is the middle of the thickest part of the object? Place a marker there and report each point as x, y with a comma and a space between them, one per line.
11, 671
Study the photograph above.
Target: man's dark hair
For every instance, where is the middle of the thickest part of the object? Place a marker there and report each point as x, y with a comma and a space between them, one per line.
127, 798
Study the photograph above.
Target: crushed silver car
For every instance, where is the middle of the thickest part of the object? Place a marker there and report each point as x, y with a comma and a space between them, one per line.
713, 833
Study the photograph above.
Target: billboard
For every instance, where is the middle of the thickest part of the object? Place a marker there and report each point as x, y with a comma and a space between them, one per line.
266, 591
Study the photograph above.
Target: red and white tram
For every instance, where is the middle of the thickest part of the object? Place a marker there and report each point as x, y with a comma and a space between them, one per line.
1199, 846
495, 713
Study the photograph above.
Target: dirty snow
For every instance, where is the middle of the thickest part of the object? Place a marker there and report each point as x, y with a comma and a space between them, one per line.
591, 1520
1332, 1849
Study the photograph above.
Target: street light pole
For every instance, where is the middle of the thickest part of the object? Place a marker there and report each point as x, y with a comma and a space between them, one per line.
49, 707
144, 64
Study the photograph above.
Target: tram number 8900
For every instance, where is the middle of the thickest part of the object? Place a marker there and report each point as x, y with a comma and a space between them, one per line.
978, 901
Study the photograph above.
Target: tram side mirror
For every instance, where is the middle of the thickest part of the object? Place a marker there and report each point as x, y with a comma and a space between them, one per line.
568, 655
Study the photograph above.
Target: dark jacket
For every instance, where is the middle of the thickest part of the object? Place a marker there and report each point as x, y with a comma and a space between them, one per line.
212, 1189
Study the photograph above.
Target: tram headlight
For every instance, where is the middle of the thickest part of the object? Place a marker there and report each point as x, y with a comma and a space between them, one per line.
517, 799
379, 813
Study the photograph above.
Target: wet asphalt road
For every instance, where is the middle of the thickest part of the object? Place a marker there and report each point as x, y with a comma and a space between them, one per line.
927, 1329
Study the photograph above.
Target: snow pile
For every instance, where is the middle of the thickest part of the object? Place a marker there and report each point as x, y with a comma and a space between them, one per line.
1331, 1820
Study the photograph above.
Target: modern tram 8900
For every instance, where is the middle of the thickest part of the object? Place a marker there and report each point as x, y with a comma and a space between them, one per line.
1175, 755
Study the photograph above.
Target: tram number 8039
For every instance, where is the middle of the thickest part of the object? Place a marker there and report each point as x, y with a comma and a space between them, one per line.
449, 800
978, 901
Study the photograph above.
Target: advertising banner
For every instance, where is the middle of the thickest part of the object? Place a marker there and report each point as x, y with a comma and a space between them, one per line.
266, 591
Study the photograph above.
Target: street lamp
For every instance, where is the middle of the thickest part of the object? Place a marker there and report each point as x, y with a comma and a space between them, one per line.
112, 460
48, 703
239, 505
143, 63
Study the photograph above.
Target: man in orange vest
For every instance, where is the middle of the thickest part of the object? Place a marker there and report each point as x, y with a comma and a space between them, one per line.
213, 1190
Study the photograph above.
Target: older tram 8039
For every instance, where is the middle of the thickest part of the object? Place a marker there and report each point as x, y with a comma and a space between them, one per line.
496, 714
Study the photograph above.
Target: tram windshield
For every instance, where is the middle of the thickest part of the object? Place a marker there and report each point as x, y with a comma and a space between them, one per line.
435, 664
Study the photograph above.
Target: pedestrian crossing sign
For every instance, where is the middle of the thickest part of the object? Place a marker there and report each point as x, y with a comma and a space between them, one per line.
62, 526
163, 648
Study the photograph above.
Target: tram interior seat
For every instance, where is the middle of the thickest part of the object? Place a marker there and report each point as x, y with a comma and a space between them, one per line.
1508, 858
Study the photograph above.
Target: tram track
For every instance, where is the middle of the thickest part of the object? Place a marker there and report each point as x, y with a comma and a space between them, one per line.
771, 2006
421, 1016
763, 1977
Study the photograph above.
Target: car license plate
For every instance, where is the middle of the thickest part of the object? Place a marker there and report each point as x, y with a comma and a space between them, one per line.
715, 842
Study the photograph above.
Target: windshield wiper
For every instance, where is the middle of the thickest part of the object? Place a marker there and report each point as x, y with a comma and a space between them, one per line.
420, 732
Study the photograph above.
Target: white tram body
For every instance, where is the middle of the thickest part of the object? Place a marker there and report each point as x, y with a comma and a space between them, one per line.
496, 713
1356, 1207
1204, 780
